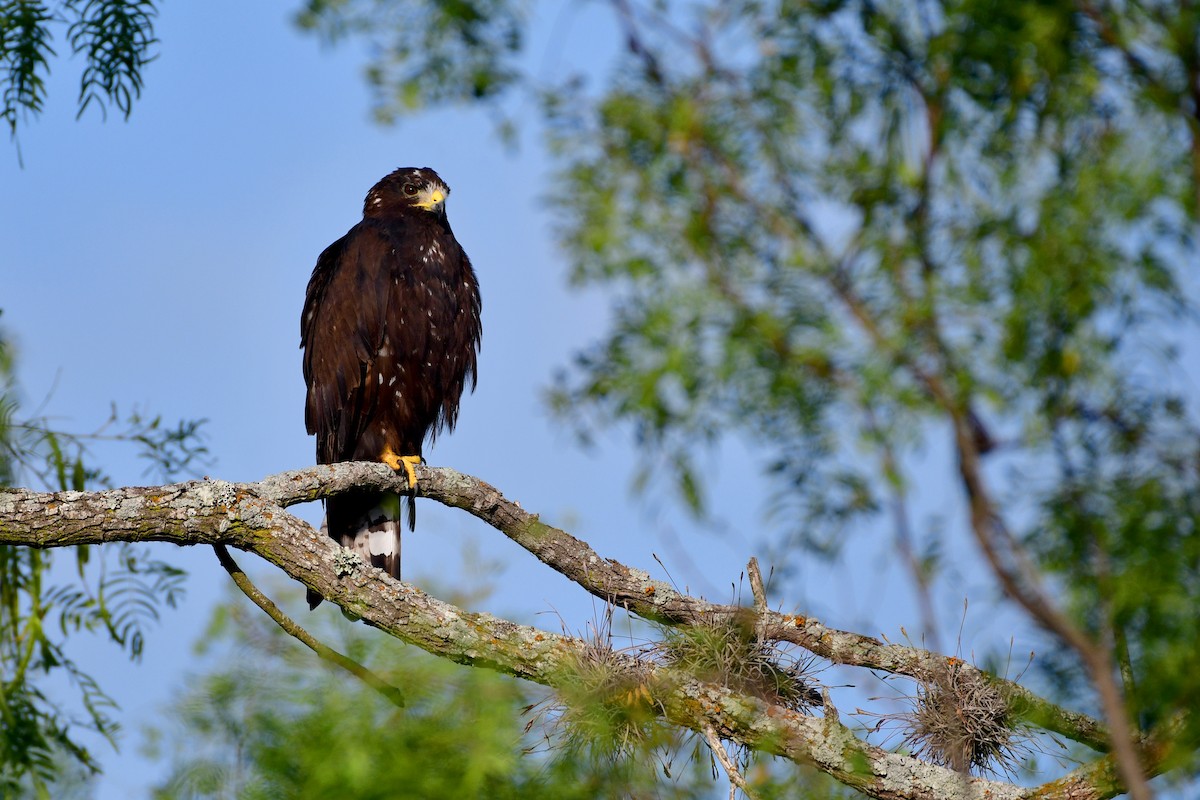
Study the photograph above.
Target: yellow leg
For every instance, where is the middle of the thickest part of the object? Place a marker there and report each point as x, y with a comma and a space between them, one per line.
407, 463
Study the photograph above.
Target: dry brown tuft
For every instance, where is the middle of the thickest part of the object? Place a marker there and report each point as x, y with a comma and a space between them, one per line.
959, 721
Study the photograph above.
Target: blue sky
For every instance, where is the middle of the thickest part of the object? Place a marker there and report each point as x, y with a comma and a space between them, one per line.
161, 264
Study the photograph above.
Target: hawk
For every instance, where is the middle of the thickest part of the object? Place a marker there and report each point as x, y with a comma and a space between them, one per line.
390, 332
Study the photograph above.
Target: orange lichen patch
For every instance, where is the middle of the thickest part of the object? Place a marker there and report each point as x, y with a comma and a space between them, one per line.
776, 711
801, 621
648, 591
539, 638
954, 662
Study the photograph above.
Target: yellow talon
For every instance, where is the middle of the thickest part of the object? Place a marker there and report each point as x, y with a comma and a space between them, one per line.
407, 463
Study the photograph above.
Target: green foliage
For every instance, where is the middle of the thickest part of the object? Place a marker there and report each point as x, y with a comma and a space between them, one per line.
430, 52
1126, 534
115, 38
116, 592
269, 721
24, 54
797, 240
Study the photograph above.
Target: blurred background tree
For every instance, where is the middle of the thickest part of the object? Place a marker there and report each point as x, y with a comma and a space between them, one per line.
851, 231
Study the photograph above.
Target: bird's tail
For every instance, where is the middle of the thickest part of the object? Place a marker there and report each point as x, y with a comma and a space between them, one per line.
369, 524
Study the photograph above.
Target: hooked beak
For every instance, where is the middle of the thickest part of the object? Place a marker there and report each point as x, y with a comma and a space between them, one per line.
431, 199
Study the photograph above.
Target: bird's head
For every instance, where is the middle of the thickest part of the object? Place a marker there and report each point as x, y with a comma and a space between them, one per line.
408, 188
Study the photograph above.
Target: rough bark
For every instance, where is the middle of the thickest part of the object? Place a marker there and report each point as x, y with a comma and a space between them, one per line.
252, 517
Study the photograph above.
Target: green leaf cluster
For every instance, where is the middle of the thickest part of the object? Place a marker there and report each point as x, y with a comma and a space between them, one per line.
428, 53
116, 593
114, 37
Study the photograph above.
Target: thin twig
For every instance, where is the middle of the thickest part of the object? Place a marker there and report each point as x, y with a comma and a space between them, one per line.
718, 750
760, 598
756, 586
243, 582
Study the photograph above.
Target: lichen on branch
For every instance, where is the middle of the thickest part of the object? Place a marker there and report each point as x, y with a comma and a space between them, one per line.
252, 517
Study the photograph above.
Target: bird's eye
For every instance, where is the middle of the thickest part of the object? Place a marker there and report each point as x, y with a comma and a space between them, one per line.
409, 189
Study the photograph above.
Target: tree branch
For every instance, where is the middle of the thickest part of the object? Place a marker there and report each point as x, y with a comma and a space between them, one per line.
143, 514
736, 780
635, 591
252, 517
391, 693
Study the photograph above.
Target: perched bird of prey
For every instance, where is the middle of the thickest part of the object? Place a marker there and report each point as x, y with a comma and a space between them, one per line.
390, 332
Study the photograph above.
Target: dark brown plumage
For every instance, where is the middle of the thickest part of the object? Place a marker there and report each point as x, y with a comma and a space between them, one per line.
390, 332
